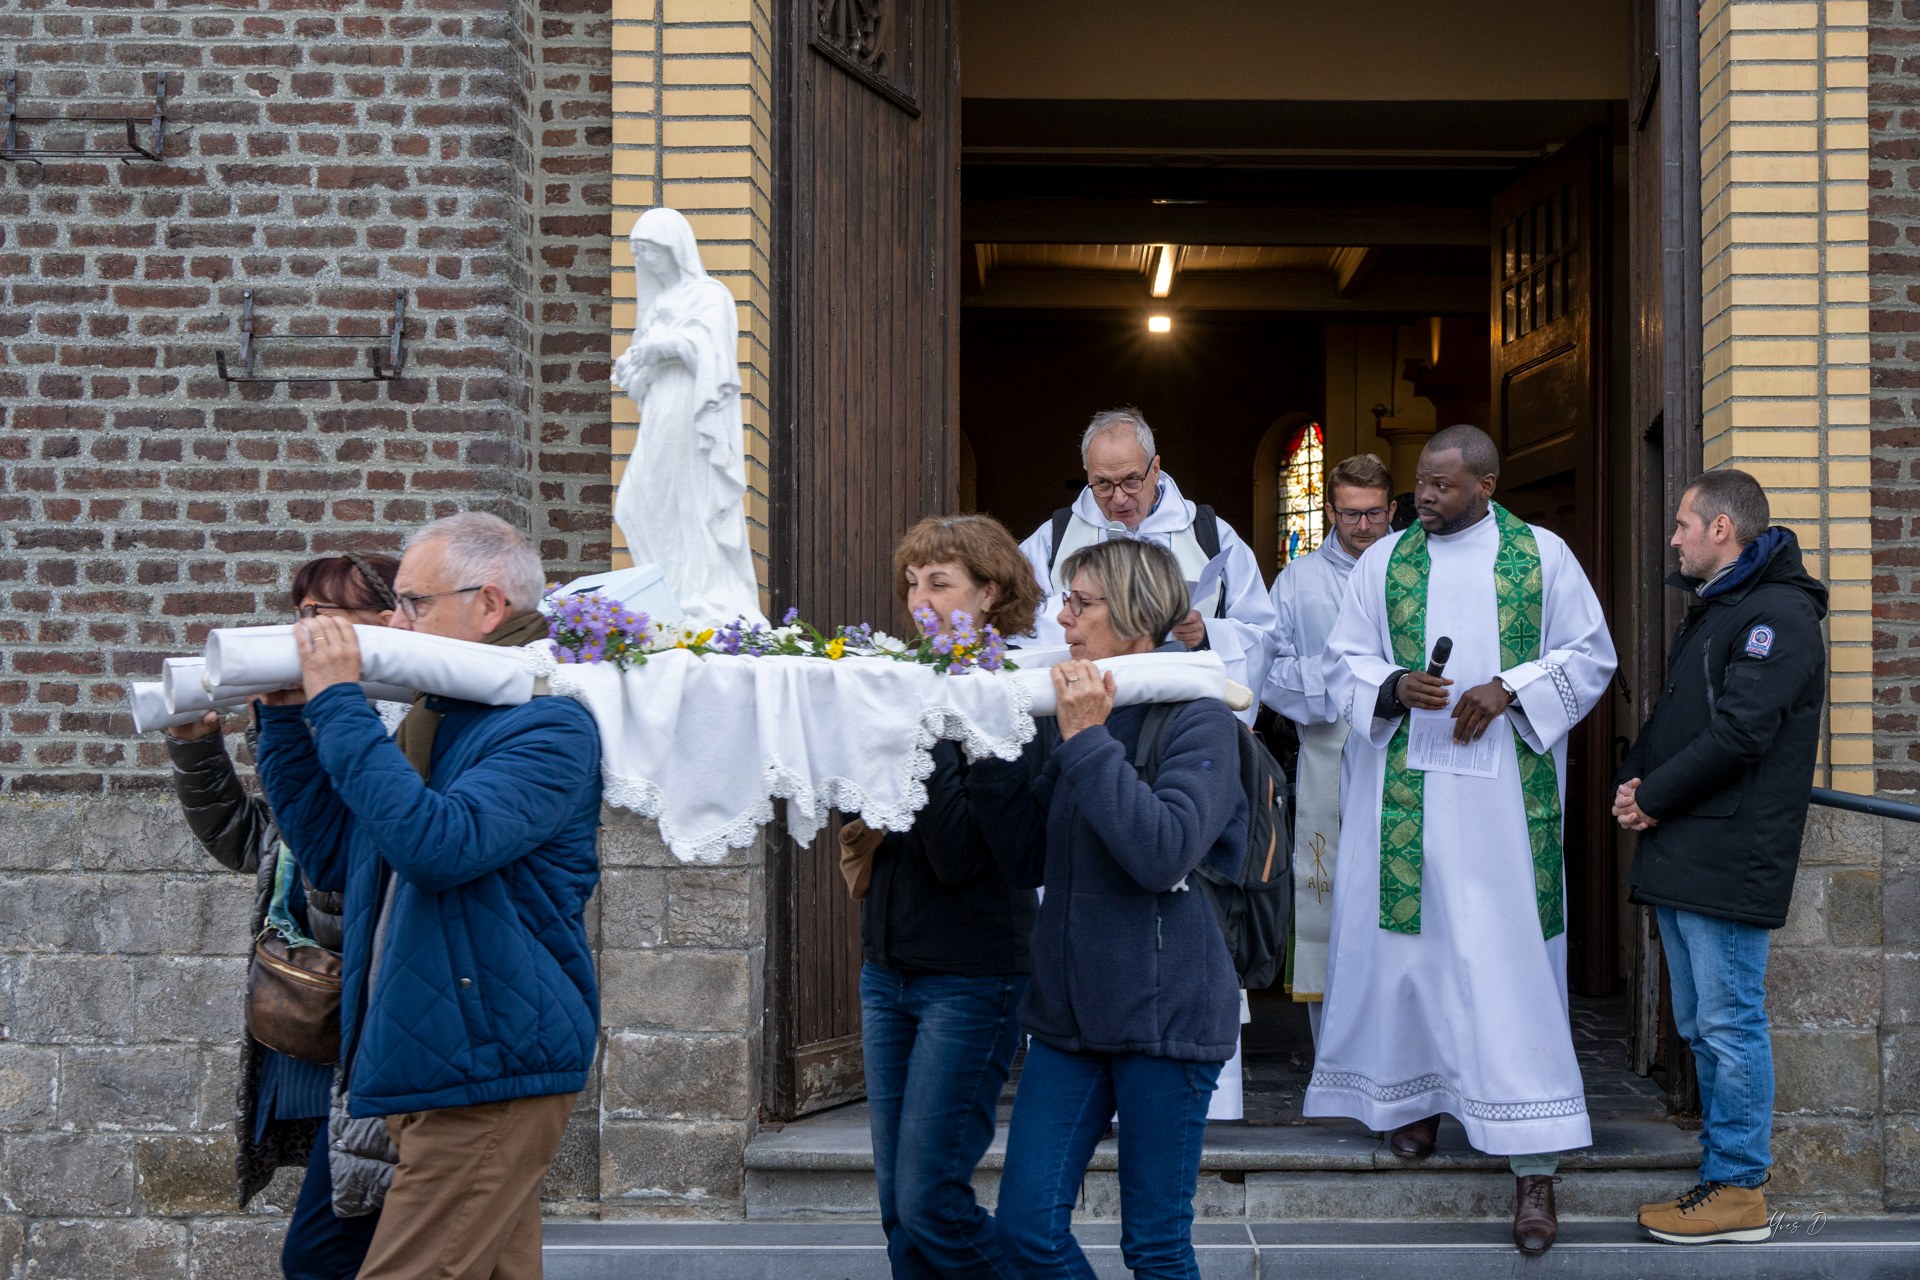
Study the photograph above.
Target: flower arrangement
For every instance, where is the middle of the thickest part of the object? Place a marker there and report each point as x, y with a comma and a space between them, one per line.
590, 627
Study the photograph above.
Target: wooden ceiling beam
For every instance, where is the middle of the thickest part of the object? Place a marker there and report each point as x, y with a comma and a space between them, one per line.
1060, 222
1235, 291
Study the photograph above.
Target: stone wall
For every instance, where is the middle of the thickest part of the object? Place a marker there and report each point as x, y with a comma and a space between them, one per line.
1825, 976
1894, 209
122, 967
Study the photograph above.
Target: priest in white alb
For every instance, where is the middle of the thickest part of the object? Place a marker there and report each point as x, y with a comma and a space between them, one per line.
1307, 596
1447, 974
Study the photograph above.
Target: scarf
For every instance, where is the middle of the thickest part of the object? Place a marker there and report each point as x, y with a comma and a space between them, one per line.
416, 733
1520, 589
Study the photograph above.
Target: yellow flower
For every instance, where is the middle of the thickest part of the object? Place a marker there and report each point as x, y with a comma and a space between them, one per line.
704, 636
836, 647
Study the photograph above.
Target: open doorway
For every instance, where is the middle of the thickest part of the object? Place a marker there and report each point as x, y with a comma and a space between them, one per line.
1372, 222
1288, 236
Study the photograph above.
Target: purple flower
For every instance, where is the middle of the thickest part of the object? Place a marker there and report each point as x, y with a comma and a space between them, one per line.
928, 621
791, 616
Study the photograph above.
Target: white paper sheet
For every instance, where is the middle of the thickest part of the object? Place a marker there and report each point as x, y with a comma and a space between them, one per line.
1430, 745
1202, 590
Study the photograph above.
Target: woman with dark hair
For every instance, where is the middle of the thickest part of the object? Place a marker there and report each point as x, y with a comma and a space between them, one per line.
283, 1101
944, 938
1134, 1005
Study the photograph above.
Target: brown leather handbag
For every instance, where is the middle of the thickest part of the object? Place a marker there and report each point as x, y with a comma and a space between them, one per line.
293, 999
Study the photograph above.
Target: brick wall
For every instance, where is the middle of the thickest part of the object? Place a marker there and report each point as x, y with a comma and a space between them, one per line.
693, 124
1894, 211
1783, 213
456, 151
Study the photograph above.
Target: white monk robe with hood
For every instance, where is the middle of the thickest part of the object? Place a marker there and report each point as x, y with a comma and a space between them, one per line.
1240, 636
1306, 602
1468, 1016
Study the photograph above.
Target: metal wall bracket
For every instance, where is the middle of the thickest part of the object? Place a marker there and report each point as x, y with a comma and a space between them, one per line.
16, 149
378, 371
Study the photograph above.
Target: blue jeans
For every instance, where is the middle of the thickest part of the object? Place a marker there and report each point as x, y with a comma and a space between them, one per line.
320, 1246
1719, 972
1062, 1109
938, 1049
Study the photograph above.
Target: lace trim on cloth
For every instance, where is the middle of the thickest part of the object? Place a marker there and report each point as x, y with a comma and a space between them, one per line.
1432, 1082
807, 804
1564, 687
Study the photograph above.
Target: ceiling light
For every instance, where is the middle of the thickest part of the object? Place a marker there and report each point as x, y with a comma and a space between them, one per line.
1163, 272
1159, 324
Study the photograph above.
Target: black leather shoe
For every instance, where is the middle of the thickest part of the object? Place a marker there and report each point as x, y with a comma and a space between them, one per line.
1536, 1225
1415, 1140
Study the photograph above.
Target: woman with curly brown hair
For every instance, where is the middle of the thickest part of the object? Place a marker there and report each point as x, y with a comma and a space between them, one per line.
944, 938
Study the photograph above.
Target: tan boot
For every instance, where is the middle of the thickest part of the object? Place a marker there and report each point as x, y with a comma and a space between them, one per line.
1661, 1206
1711, 1213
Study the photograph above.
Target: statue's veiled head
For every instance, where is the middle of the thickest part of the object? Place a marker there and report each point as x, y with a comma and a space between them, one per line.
664, 248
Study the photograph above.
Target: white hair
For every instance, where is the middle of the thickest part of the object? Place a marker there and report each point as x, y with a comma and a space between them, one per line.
485, 551
1128, 419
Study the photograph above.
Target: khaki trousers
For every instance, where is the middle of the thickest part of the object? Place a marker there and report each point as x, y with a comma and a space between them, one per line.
465, 1199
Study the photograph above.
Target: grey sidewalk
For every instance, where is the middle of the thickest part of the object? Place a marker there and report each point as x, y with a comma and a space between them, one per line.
1811, 1248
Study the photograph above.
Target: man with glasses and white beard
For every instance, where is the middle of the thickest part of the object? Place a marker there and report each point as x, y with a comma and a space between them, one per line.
1306, 602
1129, 496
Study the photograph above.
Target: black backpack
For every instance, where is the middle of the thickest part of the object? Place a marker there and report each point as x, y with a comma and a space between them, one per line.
1206, 531
1255, 906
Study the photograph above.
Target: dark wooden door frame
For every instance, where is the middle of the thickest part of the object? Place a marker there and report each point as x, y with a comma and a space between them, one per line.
864, 389
1664, 112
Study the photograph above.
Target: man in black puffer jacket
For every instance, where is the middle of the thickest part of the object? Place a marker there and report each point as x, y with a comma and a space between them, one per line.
1717, 785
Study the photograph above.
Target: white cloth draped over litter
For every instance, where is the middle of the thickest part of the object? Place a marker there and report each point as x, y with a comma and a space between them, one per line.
705, 744
1469, 1016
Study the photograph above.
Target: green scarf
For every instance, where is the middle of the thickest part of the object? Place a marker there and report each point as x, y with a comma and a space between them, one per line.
1520, 589
416, 733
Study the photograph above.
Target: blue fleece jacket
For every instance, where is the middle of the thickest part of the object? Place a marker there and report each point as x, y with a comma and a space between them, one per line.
1125, 960
486, 988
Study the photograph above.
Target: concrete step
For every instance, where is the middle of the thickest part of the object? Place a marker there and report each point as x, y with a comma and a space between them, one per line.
1811, 1248
822, 1168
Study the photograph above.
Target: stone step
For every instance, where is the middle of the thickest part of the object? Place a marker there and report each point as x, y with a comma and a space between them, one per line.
822, 1167
1808, 1248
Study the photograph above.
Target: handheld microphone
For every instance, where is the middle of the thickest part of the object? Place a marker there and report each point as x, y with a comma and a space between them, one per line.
1442, 650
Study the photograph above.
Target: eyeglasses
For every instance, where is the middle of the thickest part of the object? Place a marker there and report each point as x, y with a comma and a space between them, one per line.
1130, 485
1373, 515
313, 609
1077, 603
410, 605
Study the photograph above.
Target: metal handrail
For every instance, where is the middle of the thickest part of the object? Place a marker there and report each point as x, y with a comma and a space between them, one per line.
1874, 805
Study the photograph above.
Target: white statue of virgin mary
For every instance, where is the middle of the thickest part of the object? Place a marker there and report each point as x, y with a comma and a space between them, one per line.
680, 501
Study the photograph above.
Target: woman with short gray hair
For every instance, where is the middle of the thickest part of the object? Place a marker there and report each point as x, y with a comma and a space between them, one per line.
1133, 1005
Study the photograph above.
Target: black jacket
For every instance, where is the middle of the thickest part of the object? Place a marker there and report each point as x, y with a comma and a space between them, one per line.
937, 901
1726, 759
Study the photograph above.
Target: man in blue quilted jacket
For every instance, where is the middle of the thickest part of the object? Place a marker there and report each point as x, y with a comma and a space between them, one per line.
465, 846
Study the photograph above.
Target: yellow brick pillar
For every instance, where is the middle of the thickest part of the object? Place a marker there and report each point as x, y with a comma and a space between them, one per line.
1783, 140
692, 128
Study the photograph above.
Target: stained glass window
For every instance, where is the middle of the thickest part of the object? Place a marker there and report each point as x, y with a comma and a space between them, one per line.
1303, 520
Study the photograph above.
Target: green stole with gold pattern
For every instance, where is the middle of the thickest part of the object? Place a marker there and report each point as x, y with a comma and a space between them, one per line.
1520, 590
